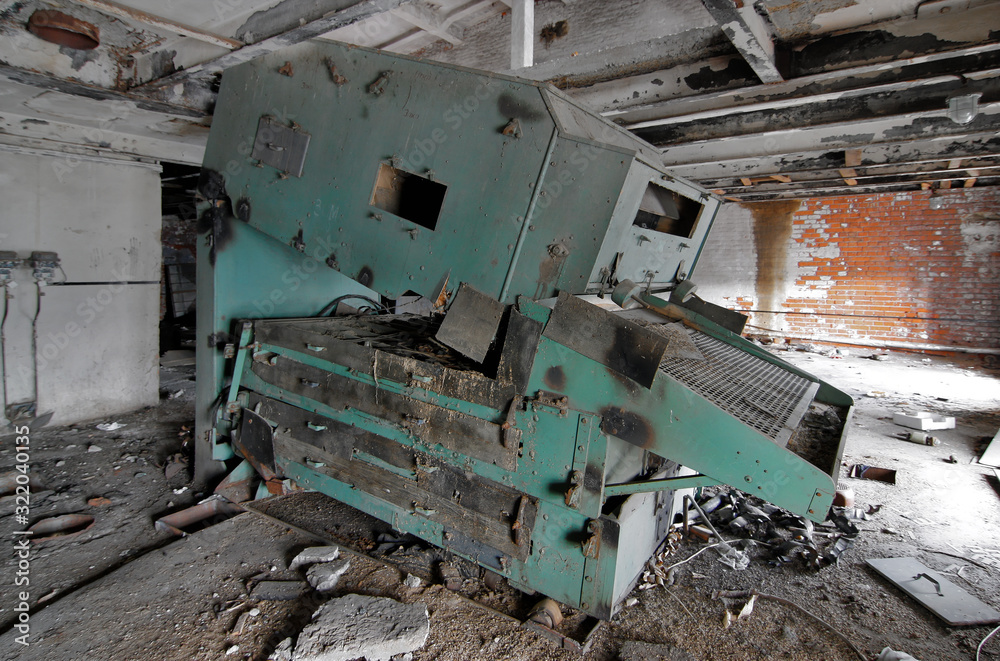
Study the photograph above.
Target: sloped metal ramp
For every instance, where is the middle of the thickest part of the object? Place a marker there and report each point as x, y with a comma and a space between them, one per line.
760, 394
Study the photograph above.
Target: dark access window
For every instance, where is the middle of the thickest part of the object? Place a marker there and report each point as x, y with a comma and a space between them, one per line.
663, 210
407, 195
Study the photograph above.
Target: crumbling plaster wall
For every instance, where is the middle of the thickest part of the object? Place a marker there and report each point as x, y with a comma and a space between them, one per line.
97, 347
882, 268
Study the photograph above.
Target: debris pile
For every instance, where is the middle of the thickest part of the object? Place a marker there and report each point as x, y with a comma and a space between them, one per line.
656, 571
787, 537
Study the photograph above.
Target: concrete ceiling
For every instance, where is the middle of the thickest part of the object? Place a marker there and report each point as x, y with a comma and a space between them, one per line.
756, 100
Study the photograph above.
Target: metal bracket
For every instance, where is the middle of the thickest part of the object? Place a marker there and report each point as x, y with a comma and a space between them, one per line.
647, 486
232, 404
280, 147
592, 545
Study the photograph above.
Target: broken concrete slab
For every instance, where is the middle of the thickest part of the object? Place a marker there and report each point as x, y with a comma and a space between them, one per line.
350, 627
325, 576
314, 555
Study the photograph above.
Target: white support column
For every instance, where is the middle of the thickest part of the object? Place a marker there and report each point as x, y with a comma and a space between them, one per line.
522, 34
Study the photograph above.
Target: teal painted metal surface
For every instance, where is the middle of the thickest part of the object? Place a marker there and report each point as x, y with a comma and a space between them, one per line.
558, 460
649, 486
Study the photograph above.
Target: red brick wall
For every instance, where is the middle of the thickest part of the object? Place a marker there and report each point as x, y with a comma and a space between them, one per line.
873, 267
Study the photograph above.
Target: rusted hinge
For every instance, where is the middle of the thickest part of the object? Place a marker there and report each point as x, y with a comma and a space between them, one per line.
592, 545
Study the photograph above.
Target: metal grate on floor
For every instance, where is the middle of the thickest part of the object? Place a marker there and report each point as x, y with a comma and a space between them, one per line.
760, 394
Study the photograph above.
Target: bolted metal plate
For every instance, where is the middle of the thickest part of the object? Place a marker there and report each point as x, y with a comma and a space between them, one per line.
280, 147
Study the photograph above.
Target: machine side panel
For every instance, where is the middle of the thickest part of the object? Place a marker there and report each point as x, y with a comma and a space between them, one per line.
567, 226
257, 277
409, 176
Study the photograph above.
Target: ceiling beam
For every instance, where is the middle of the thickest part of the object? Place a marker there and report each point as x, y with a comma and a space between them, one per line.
164, 88
43, 81
430, 21
522, 34
157, 22
893, 99
915, 153
681, 100
765, 183
749, 34
835, 136
756, 195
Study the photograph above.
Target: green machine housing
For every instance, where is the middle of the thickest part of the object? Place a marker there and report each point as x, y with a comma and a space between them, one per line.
521, 426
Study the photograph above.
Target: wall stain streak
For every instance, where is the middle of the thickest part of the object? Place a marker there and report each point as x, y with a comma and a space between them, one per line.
772, 233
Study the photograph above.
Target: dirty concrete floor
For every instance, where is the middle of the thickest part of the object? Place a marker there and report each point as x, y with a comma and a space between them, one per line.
121, 590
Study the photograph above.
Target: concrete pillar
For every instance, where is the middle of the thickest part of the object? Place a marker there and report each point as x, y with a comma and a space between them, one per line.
97, 334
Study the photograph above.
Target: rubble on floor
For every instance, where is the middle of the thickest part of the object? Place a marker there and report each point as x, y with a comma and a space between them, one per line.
783, 536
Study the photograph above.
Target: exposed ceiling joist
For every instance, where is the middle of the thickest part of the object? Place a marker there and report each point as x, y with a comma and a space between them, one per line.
165, 88
834, 136
522, 34
910, 156
146, 18
749, 34
428, 20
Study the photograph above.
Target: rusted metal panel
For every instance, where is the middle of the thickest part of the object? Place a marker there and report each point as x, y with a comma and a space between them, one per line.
254, 443
425, 422
471, 325
424, 497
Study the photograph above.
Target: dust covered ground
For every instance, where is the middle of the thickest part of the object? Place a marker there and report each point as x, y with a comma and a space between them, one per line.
119, 589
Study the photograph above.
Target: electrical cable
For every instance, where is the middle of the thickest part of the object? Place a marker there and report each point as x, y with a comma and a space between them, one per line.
988, 636
332, 305
34, 339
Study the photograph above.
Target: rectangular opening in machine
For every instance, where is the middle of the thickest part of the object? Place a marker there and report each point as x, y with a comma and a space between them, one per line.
409, 196
666, 211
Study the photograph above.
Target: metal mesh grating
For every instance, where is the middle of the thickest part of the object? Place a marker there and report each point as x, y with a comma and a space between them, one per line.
758, 393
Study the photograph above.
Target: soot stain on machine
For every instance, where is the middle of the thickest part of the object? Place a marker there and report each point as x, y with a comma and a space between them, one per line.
628, 426
555, 378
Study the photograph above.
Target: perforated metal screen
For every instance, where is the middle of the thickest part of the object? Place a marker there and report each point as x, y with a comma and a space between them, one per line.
760, 394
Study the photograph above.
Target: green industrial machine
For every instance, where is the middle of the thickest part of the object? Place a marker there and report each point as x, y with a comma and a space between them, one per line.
540, 432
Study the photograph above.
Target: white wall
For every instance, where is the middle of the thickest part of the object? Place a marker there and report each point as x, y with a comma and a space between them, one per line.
97, 350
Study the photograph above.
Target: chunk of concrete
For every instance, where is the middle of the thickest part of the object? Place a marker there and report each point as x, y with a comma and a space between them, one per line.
354, 626
923, 420
325, 576
283, 652
315, 554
